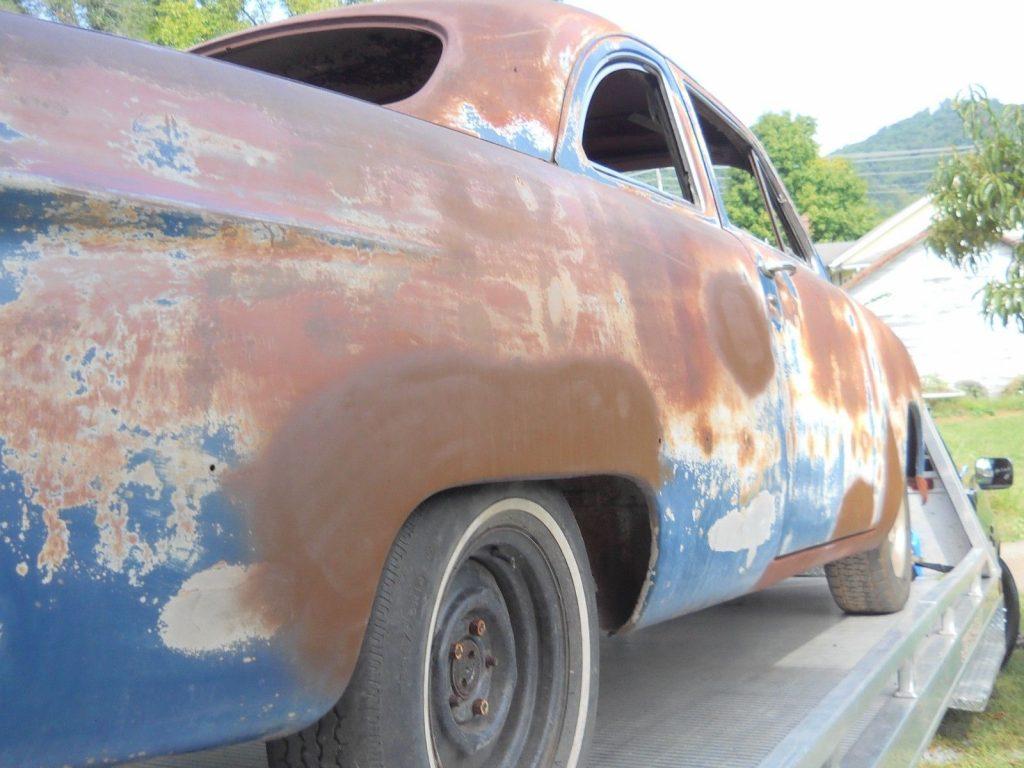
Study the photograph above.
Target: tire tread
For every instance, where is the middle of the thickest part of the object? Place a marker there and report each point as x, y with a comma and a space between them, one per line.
864, 583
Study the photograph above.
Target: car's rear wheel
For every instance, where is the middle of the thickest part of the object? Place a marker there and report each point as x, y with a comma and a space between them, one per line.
481, 648
876, 581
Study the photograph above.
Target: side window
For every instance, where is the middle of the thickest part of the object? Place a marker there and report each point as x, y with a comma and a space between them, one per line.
629, 130
750, 202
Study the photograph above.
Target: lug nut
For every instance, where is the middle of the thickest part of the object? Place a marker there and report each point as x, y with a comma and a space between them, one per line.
458, 651
481, 707
477, 627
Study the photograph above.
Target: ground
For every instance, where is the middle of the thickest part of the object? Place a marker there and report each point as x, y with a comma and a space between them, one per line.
995, 738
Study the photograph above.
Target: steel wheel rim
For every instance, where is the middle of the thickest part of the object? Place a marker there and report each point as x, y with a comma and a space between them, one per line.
493, 549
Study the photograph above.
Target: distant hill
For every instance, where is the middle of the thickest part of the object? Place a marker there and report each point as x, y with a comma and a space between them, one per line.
898, 161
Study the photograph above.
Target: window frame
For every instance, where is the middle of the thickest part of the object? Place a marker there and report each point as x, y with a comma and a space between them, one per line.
570, 153
770, 186
783, 207
217, 48
769, 207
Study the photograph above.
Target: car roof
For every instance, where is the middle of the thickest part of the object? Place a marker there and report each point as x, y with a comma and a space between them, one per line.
505, 68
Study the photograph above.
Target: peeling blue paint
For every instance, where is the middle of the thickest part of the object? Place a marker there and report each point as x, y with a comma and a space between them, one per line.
182, 224
521, 139
811, 516
164, 144
19, 212
9, 134
134, 693
221, 443
9, 286
689, 573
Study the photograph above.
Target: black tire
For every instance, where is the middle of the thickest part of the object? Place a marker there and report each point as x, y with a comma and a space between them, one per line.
1011, 598
512, 557
876, 581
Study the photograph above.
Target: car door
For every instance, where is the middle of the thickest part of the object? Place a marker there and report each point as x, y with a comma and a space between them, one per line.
834, 425
704, 322
839, 431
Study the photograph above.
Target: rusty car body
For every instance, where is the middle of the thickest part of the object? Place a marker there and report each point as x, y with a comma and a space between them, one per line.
249, 325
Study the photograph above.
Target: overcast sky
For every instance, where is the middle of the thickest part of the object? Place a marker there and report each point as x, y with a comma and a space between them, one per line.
855, 67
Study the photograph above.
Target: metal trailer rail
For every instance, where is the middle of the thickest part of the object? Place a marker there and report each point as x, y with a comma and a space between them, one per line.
783, 678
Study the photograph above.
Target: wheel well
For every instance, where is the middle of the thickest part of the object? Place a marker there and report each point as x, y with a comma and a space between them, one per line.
614, 516
915, 442
616, 521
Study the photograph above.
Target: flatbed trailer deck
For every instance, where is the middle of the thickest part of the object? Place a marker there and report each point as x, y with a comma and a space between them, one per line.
784, 678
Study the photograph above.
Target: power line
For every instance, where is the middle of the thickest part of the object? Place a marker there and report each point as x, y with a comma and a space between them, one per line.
894, 191
921, 172
901, 153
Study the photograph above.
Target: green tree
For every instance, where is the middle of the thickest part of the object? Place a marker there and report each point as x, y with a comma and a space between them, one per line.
177, 23
298, 7
128, 18
979, 201
183, 23
826, 190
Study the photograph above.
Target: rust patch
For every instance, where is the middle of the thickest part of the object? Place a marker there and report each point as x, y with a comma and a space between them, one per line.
747, 448
55, 548
857, 511
833, 344
704, 434
328, 495
740, 331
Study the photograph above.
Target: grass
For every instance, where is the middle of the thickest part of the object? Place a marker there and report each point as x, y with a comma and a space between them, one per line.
976, 406
975, 427
990, 739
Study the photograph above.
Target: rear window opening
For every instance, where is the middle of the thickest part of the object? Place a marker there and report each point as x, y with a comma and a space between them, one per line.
628, 130
381, 65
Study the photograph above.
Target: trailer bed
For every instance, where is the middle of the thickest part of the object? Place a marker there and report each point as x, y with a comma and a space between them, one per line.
723, 687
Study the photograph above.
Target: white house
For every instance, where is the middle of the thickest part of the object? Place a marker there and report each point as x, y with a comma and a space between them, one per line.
933, 306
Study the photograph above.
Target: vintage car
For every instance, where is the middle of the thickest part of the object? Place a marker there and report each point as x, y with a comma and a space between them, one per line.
360, 369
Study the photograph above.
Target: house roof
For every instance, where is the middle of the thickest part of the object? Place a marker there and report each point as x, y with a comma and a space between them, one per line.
892, 238
885, 259
898, 229
830, 252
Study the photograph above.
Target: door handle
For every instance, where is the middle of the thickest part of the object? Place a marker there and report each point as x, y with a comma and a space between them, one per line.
773, 271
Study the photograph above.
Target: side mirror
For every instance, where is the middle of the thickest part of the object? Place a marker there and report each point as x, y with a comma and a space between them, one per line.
993, 474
